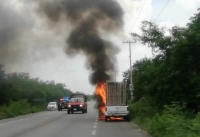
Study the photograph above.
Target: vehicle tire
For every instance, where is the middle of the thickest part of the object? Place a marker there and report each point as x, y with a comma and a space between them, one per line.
58, 109
72, 111
106, 119
86, 110
126, 118
83, 111
68, 111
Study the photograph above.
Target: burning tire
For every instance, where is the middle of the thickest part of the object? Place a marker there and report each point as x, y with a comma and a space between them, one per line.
106, 119
126, 118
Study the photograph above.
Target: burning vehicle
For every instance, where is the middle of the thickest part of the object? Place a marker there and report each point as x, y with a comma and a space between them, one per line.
113, 98
93, 22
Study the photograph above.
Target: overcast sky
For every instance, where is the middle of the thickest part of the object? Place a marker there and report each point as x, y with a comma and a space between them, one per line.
40, 50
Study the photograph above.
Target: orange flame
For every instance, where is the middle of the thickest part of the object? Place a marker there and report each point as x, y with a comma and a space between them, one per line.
116, 118
101, 91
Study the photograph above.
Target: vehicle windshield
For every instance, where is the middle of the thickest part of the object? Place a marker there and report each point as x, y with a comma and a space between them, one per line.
76, 100
52, 103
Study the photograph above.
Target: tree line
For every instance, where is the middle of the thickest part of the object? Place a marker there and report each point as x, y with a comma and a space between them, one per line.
18, 86
167, 86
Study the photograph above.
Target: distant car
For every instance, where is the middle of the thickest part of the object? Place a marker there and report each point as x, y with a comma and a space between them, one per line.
52, 106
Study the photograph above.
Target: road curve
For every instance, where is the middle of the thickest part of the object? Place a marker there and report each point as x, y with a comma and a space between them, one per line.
61, 124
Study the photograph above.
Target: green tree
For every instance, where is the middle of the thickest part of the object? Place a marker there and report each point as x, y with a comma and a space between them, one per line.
18, 86
174, 72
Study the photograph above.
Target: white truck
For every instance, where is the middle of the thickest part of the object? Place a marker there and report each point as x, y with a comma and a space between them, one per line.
116, 101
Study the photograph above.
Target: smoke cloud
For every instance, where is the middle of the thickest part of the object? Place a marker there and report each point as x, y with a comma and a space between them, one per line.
24, 40
33, 32
89, 19
12, 26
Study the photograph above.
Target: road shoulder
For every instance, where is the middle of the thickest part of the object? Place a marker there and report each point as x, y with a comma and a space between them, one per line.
137, 130
22, 117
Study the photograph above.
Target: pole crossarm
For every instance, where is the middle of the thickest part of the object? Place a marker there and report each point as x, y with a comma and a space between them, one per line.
129, 41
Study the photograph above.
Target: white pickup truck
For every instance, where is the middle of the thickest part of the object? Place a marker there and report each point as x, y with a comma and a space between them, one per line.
116, 101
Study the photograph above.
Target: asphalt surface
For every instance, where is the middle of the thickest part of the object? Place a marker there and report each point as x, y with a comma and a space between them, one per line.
61, 124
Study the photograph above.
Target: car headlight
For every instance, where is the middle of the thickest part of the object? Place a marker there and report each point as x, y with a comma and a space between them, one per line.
69, 105
81, 105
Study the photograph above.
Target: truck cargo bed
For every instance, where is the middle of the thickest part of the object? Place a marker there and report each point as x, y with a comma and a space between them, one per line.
116, 94
116, 100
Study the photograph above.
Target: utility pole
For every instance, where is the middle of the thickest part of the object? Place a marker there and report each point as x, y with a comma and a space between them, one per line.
115, 76
130, 72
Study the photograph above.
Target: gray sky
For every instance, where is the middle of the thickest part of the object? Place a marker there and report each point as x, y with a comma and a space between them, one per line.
39, 49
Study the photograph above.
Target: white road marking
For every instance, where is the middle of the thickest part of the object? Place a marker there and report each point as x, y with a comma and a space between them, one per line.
95, 126
10, 122
93, 132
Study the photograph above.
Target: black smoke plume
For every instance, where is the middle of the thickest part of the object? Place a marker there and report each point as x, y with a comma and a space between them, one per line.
89, 18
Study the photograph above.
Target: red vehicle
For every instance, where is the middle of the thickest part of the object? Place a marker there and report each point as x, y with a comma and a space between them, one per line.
77, 103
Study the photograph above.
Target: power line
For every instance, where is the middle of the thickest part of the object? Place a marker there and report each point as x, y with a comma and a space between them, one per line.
135, 21
162, 10
138, 16
133, 25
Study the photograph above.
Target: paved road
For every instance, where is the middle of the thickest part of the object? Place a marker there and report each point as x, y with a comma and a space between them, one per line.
61, 124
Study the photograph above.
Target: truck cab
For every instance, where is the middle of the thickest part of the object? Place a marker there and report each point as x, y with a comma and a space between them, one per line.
77, 105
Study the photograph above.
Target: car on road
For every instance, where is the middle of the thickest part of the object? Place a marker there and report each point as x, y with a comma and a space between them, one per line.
63, 103
52, 106
77, 105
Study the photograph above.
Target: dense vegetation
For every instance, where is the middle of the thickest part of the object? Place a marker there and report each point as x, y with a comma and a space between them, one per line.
167, 86
21, 94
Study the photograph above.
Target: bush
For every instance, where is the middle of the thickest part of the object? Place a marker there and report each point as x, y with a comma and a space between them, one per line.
172, 122
21, 107
38, 108
141, 110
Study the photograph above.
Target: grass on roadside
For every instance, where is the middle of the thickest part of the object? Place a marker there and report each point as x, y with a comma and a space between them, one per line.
18, 108
171, 122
